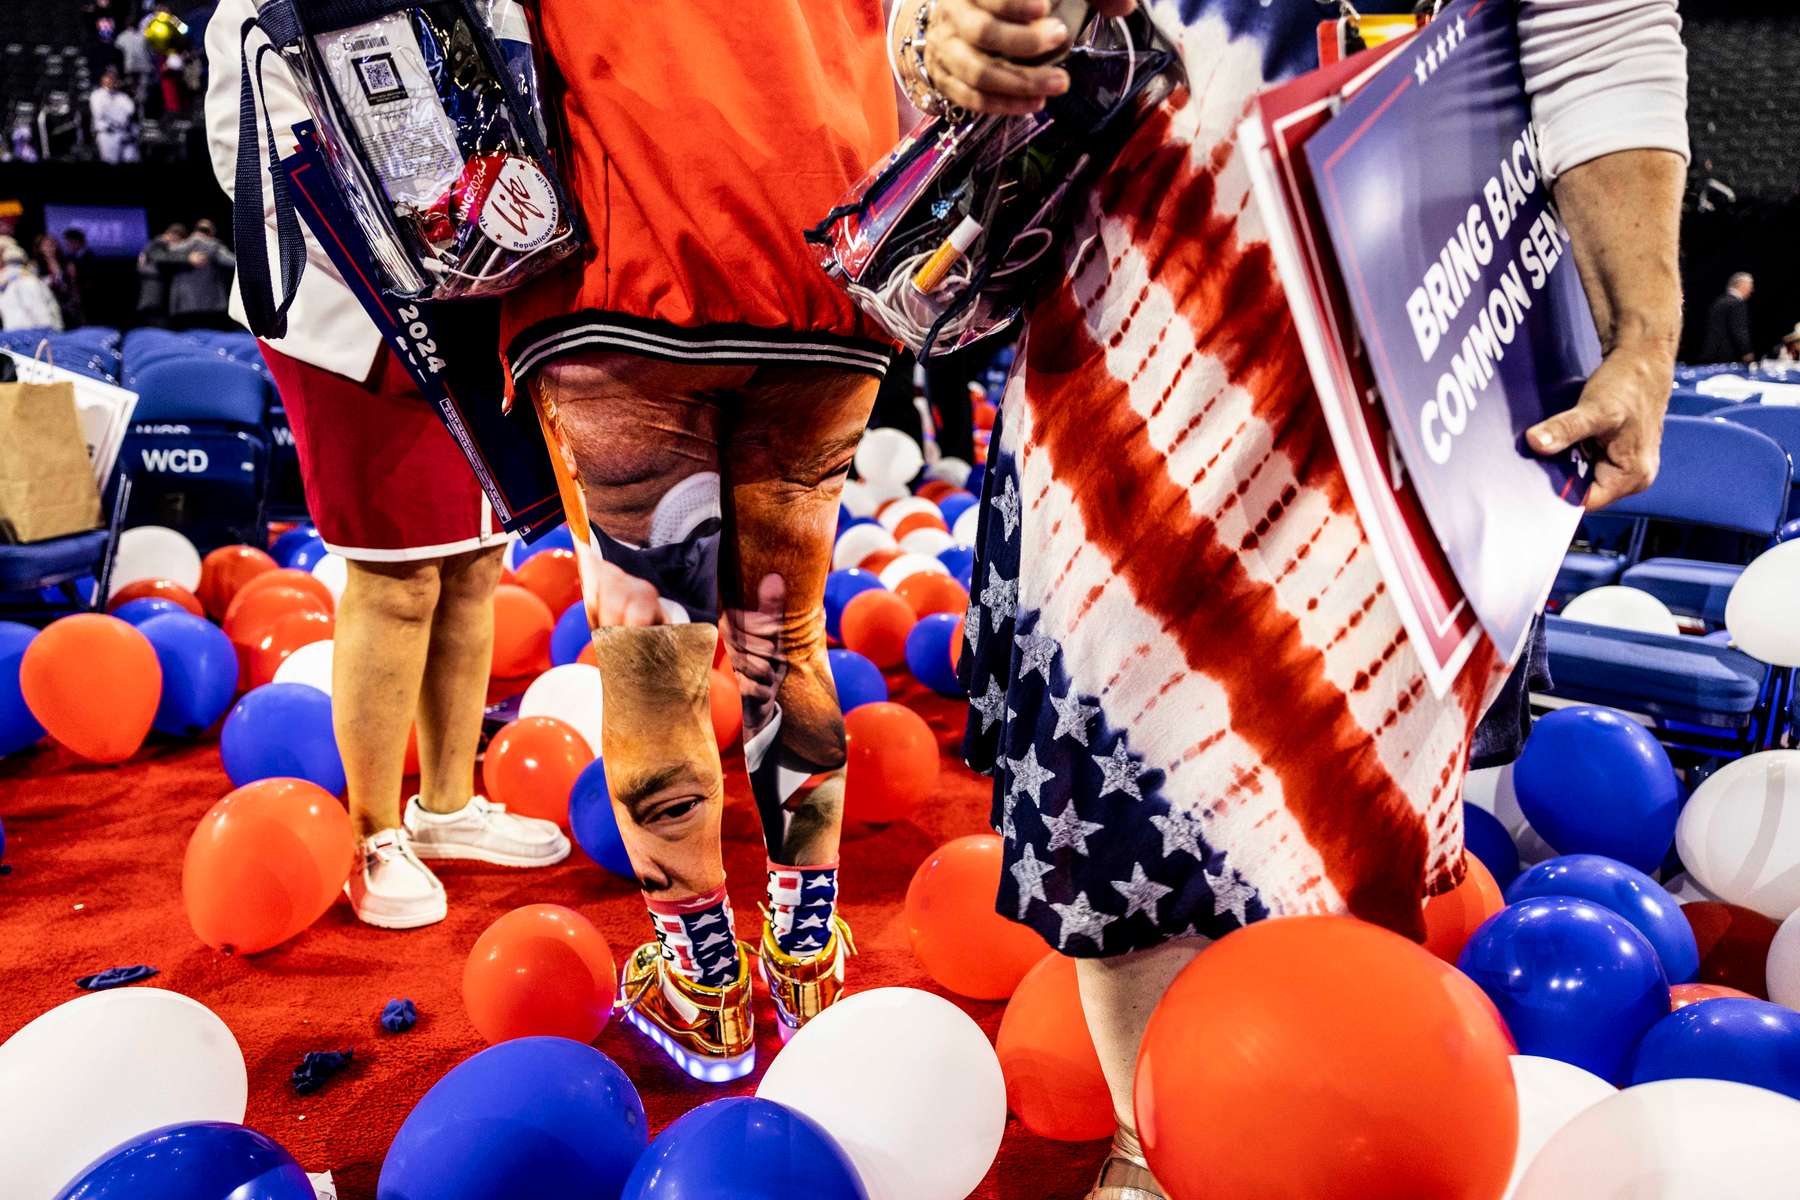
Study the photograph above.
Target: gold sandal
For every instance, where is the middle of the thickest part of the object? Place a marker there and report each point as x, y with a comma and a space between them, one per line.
1125, 1177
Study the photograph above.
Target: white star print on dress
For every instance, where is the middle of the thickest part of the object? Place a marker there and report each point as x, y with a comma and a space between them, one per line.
1142, 893
1068, 829
1179, 832
990, 705
1231, 894
1035, 655
1028, 776
1121, 774
1000, 596
1029, 874
1072, 717
972, 628
1081, 919
1008, 506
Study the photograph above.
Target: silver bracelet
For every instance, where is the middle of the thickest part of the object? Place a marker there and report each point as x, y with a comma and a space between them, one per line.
933, 103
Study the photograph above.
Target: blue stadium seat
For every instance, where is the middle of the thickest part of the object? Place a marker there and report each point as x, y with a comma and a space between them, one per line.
1602, 545
1680, 674
1781, 422
1684, 402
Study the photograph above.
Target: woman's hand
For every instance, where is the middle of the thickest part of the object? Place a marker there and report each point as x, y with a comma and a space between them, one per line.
974, 48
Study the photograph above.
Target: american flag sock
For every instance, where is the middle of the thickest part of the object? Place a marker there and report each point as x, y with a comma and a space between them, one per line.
697, 937
802, 901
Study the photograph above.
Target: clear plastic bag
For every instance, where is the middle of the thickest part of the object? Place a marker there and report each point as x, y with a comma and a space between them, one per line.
963, 224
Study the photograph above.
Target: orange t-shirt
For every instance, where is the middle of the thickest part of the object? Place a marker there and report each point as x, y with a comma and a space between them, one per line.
701, 138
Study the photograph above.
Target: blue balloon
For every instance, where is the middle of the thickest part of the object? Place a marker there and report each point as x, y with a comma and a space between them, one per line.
570, 635
593, 822
1573, 981
977, 477
292, 540
928, 653
557, 539
745, 1148
1732, 1037
199, 672
136, 612
307, 554
1488, 840
282, 729
966, 577
858, 681
201, 1160
960, 560
535, 1116
1593, 781
955, 504
841, 587
1627, 891
18, 728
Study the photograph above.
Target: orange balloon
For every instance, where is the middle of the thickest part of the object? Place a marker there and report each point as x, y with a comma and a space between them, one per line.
522, 625
875, 624
877, 561
280, 638
540, 971
958, 937
158, 589
1683, 994
551, 576
292, 577
254, 611
727, 707
916, 521
1322, 1056
984, 414
892, 761
929, 592
956, 645
225, 571
93, 682
265, 863
1452, 918
589, 655
935, 490
411, 764
1734, 945
530, 766
1053, 1079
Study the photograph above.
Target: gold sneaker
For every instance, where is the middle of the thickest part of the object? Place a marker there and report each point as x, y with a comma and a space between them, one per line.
802, 988
709, 1032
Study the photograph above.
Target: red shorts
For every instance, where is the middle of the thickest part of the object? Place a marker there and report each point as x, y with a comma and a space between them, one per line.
384, 480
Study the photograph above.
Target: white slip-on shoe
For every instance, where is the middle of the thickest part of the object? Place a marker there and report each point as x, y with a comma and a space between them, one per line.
482, 831
390, 888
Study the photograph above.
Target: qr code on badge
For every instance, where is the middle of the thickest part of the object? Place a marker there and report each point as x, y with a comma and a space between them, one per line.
380, 78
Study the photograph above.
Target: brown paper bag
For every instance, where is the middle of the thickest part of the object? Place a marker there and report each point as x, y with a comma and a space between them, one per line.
46, 483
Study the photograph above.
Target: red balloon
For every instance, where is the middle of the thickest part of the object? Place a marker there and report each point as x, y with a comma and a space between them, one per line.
225, 571
929, 592
540, 971
1683, 994
984, 414
156, 589
876, 561
875, 624
522, 625
1053, 1078
265, 863
530, 766
280, 638
411, 765
292, 577
588, 655
913, 522
1734, 945
1452, 918
551, 576
727, 707
958, 937
1322, 1056
254, 611
892, 761
935, 490
93, 682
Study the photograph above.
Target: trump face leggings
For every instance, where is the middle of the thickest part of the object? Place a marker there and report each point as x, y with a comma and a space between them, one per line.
646, 447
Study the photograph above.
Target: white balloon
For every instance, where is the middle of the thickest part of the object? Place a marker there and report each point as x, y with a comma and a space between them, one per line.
1620, 607
105, 1067
910, 564
857, 500
899, 510
888, 456
1675, 1139
907, 1084
967, 526
858, 542
1683, 888
334, 572
672, 612
1739, 834
154, 552
570, 693
885, 493
927, 541
310, 664
1763, 610
1551, 1094
1784, 964
950, 469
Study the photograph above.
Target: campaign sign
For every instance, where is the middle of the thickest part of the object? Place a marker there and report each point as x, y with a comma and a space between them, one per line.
451, 351
1466, 295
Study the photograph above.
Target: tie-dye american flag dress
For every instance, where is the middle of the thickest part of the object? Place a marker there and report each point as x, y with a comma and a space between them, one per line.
1198, 706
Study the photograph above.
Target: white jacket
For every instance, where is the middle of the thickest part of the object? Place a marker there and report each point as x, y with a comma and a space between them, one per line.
326, 326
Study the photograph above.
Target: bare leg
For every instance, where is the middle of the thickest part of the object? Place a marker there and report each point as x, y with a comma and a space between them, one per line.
455, 681
384, 623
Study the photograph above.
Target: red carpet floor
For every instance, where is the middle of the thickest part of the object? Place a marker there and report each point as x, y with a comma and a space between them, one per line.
96, 882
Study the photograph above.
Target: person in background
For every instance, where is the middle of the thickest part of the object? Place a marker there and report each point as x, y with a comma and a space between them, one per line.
115, 119
26, 301
391, 493
1199, 707
137, 66
1789, 350
157, 263
80, 262
1728, 323
54, 269
200, 291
